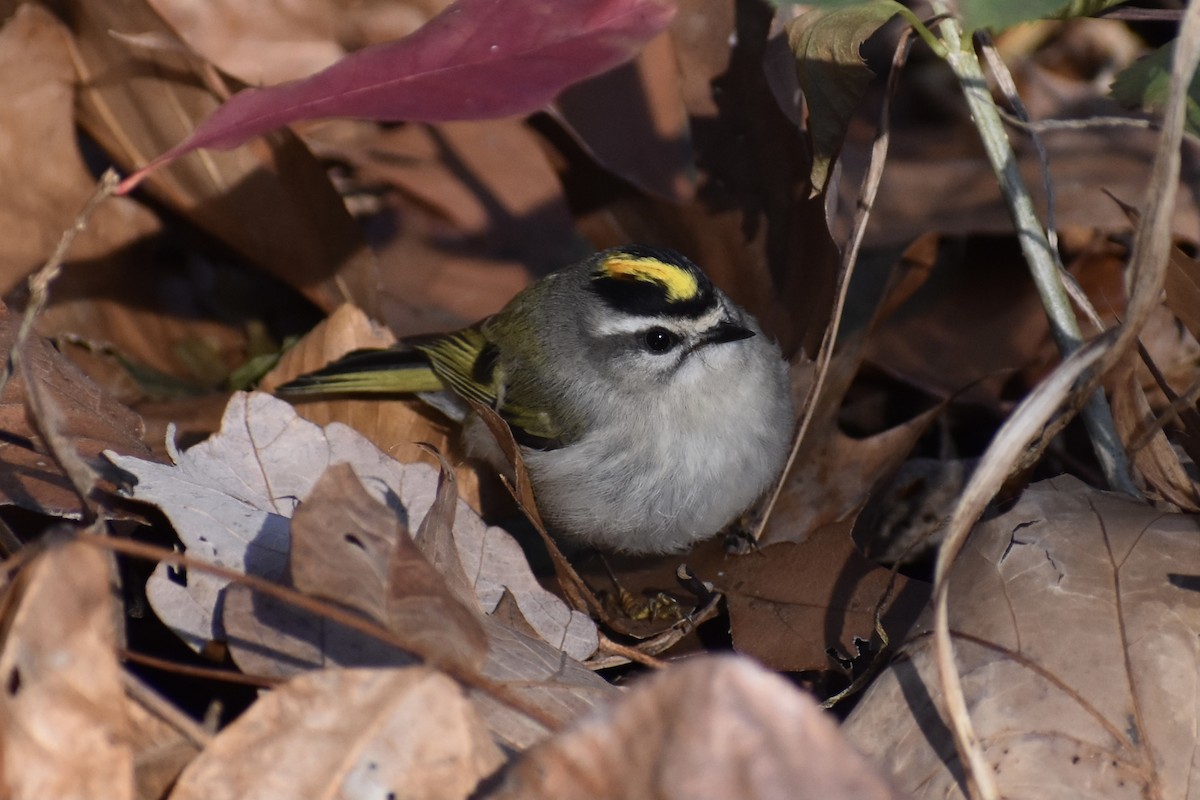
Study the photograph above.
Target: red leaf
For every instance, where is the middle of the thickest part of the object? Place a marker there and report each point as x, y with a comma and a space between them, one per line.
478, 59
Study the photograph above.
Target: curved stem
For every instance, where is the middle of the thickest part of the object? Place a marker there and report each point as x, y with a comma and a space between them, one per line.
1097, 415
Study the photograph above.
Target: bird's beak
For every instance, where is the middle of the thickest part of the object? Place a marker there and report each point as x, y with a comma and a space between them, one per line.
727, 332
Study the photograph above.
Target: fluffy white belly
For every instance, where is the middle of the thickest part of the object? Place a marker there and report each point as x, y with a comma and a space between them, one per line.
657, 483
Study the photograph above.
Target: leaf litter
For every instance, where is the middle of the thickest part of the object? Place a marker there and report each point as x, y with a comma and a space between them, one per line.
1074, 602
385, 553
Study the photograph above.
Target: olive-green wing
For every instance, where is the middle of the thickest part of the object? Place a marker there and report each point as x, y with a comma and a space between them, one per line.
470, 365
466, 362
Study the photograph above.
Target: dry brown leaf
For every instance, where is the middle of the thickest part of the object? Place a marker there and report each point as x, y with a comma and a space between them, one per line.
349, 733
63, 721
230, 499
1156, 461
435, 537
395, 426
508, 613
650, 147
119, 290
471, 211
491, 181
938, 171
270, 639
278, 40
974, 323
349, 548
89, 420
834, 473
41, 156
160, 749
1183, 290
711, 727
1075, 620
271, 201
269, 42
752, 226
789, 604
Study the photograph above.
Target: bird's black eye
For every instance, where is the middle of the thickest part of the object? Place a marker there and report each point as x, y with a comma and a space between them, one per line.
659, 340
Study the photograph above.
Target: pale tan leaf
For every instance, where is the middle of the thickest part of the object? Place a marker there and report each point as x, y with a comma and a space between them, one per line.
711, 727
161, 749
271, 639
435, 537
41, 154
395, 425
64, 732
349, 733
1075, 623
269, 42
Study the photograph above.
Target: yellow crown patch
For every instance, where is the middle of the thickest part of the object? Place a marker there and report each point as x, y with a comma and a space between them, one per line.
680, 284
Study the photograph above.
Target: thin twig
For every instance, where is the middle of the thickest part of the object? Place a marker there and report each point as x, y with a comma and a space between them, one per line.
867, 192
1008, 446
39, 282
156, 704
284, 594
193, 671
45, 413
1008, 87
633, 654
1054, 125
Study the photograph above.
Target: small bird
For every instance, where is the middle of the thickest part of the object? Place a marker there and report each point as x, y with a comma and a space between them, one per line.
651, 410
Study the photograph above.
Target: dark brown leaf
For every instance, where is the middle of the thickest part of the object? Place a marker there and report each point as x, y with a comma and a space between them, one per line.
790, 604
276, 207
88, 422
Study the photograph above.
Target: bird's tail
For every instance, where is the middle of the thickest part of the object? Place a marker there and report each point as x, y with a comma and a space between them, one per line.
394, 370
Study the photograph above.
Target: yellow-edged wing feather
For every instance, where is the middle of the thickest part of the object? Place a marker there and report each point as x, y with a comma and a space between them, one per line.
470, 365
466, 362
395, 370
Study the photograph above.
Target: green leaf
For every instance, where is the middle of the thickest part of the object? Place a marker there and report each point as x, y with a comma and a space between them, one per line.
1145, 85
1000, 14
832, 73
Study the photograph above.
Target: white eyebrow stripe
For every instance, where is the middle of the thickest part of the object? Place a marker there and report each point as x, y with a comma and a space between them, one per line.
617, 324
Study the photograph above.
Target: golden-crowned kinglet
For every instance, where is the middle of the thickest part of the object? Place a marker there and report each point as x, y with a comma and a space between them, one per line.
650, 409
